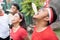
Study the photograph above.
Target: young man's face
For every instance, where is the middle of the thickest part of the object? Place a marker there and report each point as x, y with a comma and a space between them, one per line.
13, 9
41, 15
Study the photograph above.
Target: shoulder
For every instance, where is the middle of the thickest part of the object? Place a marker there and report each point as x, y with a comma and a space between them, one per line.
22, 30
6, 15
50, 33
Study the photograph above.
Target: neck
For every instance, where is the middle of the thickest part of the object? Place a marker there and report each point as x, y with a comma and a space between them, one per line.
41, 24
16, 25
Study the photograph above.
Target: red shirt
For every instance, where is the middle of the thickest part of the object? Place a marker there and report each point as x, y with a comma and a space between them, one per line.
20, 34
47, 34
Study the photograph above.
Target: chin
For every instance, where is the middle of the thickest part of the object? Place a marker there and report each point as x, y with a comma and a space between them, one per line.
13, 22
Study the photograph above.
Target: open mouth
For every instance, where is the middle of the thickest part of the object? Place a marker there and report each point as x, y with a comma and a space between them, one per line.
34, 18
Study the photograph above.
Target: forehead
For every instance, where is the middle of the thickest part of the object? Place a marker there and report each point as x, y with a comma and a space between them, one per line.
13, 6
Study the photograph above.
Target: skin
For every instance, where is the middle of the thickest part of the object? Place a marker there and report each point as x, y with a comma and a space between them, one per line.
15, 21
14, 9
41, 19
1, 11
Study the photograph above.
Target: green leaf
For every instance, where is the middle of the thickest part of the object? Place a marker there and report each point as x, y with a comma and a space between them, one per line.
27, 8
27, 13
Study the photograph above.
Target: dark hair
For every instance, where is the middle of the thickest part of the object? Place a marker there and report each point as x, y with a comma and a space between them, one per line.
54, 16
22, 23
16, 5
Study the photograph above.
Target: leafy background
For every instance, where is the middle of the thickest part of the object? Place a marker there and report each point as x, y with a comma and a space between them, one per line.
27, 9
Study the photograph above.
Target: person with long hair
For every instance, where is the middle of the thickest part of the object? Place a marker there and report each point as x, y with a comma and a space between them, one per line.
18, 30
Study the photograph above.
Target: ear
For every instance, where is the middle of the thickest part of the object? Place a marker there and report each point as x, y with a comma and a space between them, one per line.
20, 20
46, 18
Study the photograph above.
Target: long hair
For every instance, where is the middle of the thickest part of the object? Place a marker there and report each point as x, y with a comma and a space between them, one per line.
22, 23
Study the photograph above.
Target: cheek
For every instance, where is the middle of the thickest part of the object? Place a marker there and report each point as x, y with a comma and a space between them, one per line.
14, 20
43, 14
39, 16
13, 10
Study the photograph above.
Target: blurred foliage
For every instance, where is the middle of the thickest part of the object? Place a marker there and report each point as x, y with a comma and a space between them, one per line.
27, 7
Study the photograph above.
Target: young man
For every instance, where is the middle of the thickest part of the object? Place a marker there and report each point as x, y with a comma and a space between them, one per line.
14, 9
43, 19
4, 27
